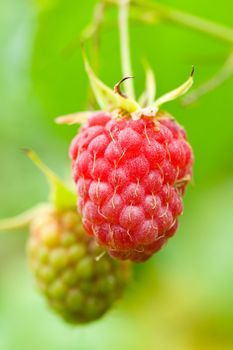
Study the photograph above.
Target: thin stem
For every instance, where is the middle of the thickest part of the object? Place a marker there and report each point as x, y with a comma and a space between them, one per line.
183, 18
219, 78
125, 46
92, 32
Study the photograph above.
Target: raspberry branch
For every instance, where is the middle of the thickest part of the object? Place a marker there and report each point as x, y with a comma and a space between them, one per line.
168, 13
92, 31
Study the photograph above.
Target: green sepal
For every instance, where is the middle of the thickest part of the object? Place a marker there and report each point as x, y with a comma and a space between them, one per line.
107, 99
74, 118
178, 92
60, 196
148, 96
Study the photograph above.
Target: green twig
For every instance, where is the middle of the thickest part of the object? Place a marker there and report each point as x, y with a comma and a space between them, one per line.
203, 25
92, 32
182, 18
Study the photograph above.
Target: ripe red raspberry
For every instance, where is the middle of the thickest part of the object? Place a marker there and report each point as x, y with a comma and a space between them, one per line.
131, 176
77, 286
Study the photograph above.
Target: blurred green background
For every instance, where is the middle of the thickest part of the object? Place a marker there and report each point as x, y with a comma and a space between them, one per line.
183, 297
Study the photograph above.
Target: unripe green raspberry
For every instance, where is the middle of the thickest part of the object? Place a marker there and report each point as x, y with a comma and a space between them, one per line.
64, 260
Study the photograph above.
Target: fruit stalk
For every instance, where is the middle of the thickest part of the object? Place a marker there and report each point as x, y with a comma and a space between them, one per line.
125, 46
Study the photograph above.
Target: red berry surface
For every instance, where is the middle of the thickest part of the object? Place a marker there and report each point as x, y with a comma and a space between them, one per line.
130, 177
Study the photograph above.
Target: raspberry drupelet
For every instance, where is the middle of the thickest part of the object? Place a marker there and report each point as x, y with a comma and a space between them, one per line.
131, 176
